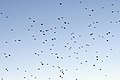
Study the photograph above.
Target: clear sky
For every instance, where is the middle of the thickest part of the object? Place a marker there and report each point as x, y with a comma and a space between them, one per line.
59, 40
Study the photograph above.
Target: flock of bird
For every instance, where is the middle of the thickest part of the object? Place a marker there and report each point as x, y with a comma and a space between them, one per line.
63, 50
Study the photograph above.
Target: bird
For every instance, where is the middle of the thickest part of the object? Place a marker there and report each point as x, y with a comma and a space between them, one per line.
60, 3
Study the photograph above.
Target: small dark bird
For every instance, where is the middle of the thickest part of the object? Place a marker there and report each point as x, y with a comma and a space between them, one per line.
60, 3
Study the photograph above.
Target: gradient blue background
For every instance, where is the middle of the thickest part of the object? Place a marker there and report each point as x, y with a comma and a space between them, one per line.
47, 12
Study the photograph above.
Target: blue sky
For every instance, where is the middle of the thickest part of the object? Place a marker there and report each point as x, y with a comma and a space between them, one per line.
31, 34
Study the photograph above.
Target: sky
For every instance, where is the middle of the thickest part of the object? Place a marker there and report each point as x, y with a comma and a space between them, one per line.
59, 40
